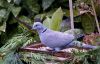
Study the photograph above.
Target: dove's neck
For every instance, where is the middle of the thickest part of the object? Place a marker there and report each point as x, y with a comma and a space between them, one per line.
42, 30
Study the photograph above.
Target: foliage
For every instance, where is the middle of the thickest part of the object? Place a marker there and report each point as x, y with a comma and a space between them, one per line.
14, 35
12, 58
55, 21
36, 58
46, 3
15, 42
88, 23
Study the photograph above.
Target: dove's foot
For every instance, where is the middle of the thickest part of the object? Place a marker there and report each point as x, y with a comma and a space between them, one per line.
57, 49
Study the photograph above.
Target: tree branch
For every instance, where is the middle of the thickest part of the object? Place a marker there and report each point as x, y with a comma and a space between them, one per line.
97, 23
71, 14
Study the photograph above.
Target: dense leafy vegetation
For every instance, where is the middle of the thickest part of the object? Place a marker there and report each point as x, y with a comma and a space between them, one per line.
55, 15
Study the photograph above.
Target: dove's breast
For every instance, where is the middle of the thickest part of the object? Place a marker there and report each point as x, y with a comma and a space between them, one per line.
55, 39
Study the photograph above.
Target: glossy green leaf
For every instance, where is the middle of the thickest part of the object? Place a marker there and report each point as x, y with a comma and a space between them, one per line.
0, 20
32, 5
17, 2
0, 33
16, 10
12, 21
54, 22
4, 3
57, 19
97, 8
67, 12
41, 16
47, 22
2, 13
9, 1
46, 3
88, 23
3, 27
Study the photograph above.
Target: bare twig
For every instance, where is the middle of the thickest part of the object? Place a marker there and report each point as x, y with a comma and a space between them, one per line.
71, 14
25, 24
95, 15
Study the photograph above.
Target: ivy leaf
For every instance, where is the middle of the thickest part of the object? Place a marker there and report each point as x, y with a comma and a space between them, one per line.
17, 2
41, 16
3, 27
32, 5
67, 12
57, 19
16, 10
4, 4
54, 22
88, 23
9, 1
2, 13
46, 3
97, 8
12, 20
47, 22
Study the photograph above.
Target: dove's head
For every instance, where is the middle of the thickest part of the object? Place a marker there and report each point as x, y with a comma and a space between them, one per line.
38, 26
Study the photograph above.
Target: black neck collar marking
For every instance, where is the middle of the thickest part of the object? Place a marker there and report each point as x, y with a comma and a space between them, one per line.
44, 30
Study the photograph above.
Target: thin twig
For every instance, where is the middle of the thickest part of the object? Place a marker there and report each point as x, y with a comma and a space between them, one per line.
71, 14
25, 24
95, 15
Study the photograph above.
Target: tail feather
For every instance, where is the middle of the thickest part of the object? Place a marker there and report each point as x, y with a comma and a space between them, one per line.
79, 36
81, 45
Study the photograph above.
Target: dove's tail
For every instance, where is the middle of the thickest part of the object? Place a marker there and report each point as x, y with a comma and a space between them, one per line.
81, 45
79, 35
87, 46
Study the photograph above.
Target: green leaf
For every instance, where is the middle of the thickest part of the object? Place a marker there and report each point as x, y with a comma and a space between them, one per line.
9, 1
88, 22
41, 16
57, 19
3, 27
2, 13
12, 21
12, 58
54, 22
0, 33
46, 3
29, 41
16, 10
47, 22
32, 5
97, 8
0, 20
17, 2
14, 43
4, 3
67, 12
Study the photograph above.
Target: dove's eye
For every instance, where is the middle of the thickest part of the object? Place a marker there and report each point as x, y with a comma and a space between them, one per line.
36, 25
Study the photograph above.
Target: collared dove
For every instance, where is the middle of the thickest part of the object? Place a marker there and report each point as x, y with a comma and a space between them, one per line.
57, 40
